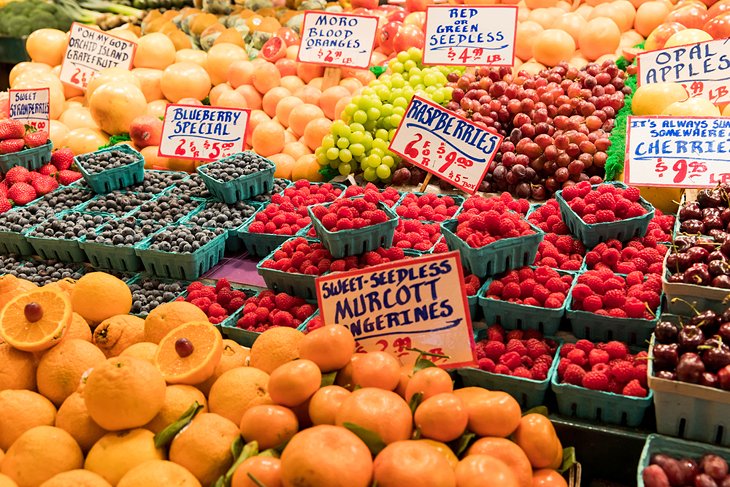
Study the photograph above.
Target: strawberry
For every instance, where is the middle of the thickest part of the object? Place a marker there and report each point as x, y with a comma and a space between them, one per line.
36, 139
4, 189
44, 184
17, 174
66, 176
48, 170
11, 129
9, 146
22, 193
62, 159
5, 205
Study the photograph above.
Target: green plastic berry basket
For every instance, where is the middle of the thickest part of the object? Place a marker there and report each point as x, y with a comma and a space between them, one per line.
15, 243
499, 256
516, 316
229, 321
241, 188
295, 284
31, 159
528, 392
234, 242
61, 249
188, 266
262, 244
459, 200
357, 241
592, 235
591, 326
121, 258
110, 180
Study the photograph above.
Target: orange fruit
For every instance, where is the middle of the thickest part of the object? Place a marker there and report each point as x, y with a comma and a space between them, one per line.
491, 413
20, 411
6, 481
78, 328
368, 407
116, 334
294, 382
484, 470
76, 478
310, 93
329, 100
429, 382
315, 131
284, 164
98, 296
35, 320
285, 107
271, 99
442, 417
123, 393
412, 463
11, 286
330, 347
39, 454
253, 98
118, 452
547, 477
444, 450
274, 347
204, 447
166, 317
178, 399
61, 368
74, 419
266, 470
158, 472
537, 437
189, 353
267, 138
508, 452
296, 150
344, 375
237, 390
234, 355
143, 350
301, 115
17, 368
265, 77
269, 425
405, 378
376, 369
325, 403
326, 455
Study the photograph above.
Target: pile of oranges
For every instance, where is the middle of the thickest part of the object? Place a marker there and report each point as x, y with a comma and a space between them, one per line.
90, 396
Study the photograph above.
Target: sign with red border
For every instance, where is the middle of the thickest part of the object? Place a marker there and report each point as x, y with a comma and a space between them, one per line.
445, 144
470, 35
416, 303
678, 152
90, 51
203, 133
337, 40
32, 107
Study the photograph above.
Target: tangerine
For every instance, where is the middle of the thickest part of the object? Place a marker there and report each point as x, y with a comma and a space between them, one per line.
376, 369
158, 472
234, 355
35, 320
547, 477
178, 399
21, 410
61, 368
73, 418
98, 287
412, 463
274, 347
325, 403
484, 471
491, 413
269, 425
330, 347
189, 353
168, 316
508, 452
237, 390
293, 383
429, 382
368, 406
266, 470
118, 452
442, 417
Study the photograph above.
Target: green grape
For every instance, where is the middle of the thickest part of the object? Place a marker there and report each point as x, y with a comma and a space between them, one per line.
391, 133
438, 97
416, 54
377, 152
345, 155
357, 149
415, 80
360, 116
322, 159
382, 171
399, 111
341, 128
409, 66
397, 67
333, 153
387, 161
401, 102
356, 137
357, 127
381, 134
395, 120
367, 91
344, 169
328, 142
386, 111
369, 174
373, 114
398, 82
380, 144
403, 56
342, 143
334, 164
430, 79
350, 109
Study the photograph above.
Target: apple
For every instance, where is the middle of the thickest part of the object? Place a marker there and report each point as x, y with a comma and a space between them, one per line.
416, 18
386, 35
364, 4
409, 36
416, 5
661, 34
398, 15
719, 26
145, 131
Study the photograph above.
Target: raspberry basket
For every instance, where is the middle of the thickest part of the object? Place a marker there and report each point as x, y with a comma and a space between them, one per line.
229, 322
241, 188
514, 316
459, 200
594, 327
358, 240
182, 266
116, 178
592, 235
31, 159
499, 256
528, 392
300, 285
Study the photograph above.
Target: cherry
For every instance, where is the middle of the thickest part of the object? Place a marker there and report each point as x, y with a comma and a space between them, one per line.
184, 347
33, 312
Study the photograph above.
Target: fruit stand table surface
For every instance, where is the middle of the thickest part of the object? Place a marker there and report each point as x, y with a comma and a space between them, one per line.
239, 269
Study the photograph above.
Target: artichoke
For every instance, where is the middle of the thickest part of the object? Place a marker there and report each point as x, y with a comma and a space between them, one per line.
258, 39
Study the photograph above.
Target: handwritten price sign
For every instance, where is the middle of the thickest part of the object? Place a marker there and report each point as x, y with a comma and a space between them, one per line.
90, 51
682, 152
32, 107
444, 144
203, 133
703, 69
419, 303
470, 36
337, 40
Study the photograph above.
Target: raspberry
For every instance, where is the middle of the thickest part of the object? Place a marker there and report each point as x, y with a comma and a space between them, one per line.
596, 356
283, 318
562, 366
494, 350
522, 372
581, 292
597, 381
622, 371
614, 298
574, 375
540, 372
495, 333
634, 388
535, 348
640, 372
616, 349
502, 369
304, 311
516, 346
592, 303
202, 303
235, 304
262, 314
195, 286
216, 310
632, 194
606, 202
566, 349
511, 360
634, 307
514, 335
222, 284
486, 364
584, 345
578, 357
284, 301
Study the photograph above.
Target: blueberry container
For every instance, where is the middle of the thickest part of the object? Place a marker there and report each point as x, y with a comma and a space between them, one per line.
31, 159
592, 235
57, 249
139, 278
121, 258
295, 284
357, 241
234, 243
15, 243
499, 256
109, 180
241, 188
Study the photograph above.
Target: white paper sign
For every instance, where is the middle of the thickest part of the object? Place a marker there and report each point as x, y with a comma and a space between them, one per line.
703, 69
203, 133
470, 36
680, 152
337, 40
90, 51
32, 107
444, 144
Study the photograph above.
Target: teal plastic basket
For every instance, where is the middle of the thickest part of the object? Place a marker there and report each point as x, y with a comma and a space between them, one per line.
31, 159
116, 178
515, 316
57, 249
459, 200
474, 306
15, 243
262, 244
358, 240
499, 256
121, 258
598, 328
301, 285
234, 243
242, 188
675, 448
592, 235
182, 266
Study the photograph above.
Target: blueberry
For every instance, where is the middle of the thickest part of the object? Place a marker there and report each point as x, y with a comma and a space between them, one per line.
237, 166
192, 186
71, 226
97, 162
22, 219
178, 239
156, 182
43, 272
117, 203
279, 186
66, 198
221, 215
148, 293
167, 208
124, 232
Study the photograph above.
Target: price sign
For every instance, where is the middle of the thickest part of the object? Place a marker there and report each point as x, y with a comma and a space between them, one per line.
90, 51
32, 107
444, 144
703, 69
337, 40
203, 133
681, 152
416, 303
470, 36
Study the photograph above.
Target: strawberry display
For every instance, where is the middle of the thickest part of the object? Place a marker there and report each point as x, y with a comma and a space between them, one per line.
542, 286
427, 207
605, 293
269, 309
14, 136
607, 203
518, 353
416, 235
349, 214
560, 252
547, 218
389, 196
63, 159
217, 302
480, 228
22, 194
639, 254
11, 129
608, 367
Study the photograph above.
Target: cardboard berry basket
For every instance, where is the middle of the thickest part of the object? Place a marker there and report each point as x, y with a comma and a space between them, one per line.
241, 188
112, 179
529, 393
121, 258
356, 241
295, 284
592, 235
497, 257
31, 159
